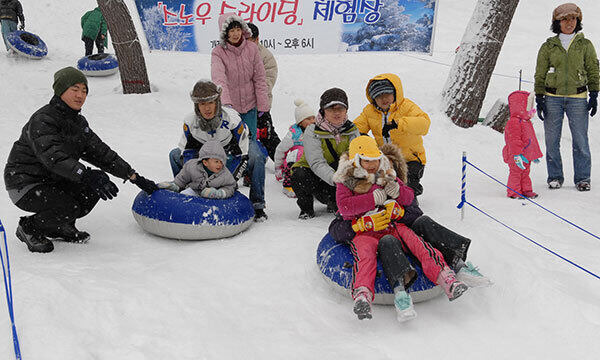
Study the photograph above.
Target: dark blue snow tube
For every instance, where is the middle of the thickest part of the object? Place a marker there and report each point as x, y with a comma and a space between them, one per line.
98, 65
177, 216
335, 262
27, 44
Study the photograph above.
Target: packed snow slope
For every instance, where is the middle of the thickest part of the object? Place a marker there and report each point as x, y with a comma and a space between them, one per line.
129, 295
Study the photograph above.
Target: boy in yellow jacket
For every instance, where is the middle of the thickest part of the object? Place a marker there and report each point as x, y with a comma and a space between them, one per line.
392, 118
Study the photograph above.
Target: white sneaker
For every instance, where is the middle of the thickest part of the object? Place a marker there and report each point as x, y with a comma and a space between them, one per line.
470, 275
404, 306
554, 184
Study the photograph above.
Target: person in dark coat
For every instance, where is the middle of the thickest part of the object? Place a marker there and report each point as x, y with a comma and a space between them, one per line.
44, 174
10, 12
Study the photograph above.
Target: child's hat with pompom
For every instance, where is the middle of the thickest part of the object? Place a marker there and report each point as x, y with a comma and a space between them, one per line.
302, 111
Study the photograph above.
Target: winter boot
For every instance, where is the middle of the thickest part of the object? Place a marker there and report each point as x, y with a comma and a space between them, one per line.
32, 237
452, 287
404, 305
362, 303
583, 186
69, 233
260, 216
470, 275
530, 194
306, 214
554, 184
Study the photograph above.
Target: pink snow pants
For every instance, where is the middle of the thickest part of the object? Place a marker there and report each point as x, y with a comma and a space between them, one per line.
364, 250
518, 180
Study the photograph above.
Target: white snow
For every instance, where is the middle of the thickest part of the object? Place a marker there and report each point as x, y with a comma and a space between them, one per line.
130, 295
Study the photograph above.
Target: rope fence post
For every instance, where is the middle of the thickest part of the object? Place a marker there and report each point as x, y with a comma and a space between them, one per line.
463, 187
8, 290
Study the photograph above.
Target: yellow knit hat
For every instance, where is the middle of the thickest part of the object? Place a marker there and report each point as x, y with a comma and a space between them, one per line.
364, 147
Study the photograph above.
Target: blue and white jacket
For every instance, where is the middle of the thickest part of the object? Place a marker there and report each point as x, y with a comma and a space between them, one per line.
232, 134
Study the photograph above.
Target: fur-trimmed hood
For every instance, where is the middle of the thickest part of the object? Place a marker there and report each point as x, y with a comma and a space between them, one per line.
226, 19
392, 165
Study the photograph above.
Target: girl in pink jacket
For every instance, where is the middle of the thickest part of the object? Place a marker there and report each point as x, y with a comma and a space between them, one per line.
521, 145
366, 184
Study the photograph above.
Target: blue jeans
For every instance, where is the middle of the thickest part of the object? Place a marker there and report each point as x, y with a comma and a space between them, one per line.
176, 161
8, 26
256, 169
577, 114
250, 119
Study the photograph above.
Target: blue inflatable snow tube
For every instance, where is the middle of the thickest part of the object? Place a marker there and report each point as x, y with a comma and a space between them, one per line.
98, 65
335, 261
177, 216
27, 44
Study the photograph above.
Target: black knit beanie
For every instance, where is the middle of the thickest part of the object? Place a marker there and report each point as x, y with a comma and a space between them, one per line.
379, 87
67, 77
333, 96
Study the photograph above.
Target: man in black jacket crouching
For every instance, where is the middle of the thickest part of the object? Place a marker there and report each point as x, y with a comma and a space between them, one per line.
44, 174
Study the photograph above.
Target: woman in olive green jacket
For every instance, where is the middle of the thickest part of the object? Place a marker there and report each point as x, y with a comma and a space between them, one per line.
566, 74
94, 30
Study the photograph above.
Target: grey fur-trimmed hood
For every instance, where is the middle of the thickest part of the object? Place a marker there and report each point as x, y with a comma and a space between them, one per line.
226, 19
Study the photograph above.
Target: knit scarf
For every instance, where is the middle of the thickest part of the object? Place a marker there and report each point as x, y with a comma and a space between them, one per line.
335, 130
210, 125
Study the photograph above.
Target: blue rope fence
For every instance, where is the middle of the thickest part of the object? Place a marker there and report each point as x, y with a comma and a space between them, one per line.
463, 202
8, 290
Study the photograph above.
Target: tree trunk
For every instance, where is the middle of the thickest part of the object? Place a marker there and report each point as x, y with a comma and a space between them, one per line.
132, 66
475, 61
498, 116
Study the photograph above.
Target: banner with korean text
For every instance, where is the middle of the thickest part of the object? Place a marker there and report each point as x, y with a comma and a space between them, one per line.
294, 26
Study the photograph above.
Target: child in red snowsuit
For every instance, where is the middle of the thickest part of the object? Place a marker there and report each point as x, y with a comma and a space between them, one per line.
366, 182
521, 145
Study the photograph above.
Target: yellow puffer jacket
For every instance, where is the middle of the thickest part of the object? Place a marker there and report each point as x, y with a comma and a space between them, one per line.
412, 122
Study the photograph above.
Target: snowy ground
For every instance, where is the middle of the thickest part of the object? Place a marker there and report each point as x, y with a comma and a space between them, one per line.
130, 295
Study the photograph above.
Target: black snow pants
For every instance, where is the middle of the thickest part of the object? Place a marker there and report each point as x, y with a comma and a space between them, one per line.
89, 44
453, 246
415, 173
55, 204
394, 261
307, 186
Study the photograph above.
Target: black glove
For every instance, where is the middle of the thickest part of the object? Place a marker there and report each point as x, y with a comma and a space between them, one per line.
540, 104
22, 27
241, 168
148, 186
593, 102
100, 183
387, 127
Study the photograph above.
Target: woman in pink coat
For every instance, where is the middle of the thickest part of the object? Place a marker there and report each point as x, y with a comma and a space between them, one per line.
521, 145
237, 67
